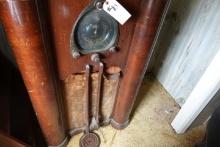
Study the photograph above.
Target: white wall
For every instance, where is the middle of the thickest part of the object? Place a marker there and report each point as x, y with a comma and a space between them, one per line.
189, 40
200, 97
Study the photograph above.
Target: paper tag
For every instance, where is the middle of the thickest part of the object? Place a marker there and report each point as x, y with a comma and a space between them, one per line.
116, 10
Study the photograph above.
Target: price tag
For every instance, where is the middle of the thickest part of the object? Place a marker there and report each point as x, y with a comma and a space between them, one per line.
116, 10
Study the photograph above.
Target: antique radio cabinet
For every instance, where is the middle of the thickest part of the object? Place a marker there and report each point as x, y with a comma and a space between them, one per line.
82, 69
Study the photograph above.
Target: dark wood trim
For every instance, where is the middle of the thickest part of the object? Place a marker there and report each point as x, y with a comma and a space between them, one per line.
8, 141
144, 34
22, 27
63, 15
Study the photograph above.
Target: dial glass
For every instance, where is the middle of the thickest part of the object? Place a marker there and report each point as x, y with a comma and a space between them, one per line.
95, 31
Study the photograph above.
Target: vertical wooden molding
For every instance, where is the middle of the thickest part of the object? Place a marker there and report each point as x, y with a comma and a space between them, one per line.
22, 27
144, 35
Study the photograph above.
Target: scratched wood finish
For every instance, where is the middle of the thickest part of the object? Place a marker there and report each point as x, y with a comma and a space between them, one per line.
63, 14
74, 89
135, 40
21, 24
143, 38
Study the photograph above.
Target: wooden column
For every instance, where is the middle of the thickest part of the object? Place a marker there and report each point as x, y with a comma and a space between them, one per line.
145, 31
22, 27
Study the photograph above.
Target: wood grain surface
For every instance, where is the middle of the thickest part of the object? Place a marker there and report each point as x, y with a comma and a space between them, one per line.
21, 23
74, 90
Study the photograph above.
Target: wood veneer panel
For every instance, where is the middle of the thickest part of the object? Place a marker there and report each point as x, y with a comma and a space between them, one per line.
74, 90
143, 38
21, 23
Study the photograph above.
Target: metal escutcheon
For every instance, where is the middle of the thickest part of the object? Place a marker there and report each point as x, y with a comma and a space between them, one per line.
90, 140
94, 31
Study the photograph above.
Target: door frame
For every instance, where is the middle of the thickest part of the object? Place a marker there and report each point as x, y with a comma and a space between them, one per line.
202, 94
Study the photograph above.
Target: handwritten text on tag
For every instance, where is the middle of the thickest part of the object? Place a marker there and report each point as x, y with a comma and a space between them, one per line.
116, 10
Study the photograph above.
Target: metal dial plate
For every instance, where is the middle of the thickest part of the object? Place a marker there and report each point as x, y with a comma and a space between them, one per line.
94, 31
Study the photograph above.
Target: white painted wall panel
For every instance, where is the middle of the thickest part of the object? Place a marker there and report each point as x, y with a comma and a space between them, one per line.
202, 94
189, 40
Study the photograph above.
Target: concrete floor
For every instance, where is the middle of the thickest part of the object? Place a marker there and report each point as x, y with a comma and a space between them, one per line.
150, 123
